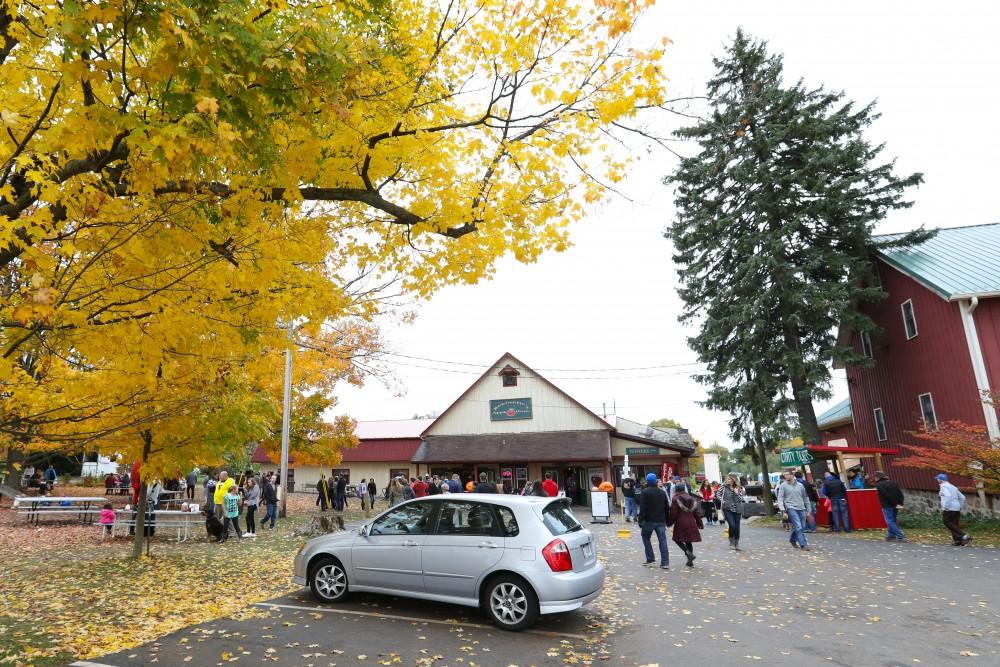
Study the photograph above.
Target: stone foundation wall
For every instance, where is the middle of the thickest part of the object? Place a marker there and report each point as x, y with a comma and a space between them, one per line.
928, 502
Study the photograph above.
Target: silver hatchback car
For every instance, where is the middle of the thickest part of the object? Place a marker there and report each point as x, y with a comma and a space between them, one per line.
515, 557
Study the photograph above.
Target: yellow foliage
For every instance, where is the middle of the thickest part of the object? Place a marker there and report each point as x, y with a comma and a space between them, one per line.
179, 179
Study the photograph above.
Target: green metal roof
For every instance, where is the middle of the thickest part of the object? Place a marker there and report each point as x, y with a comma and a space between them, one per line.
958, 263
838, 414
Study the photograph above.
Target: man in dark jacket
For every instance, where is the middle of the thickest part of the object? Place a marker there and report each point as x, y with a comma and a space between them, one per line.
484, 485
629, 493
269, 495
653, 511
890, 497
341, 493
835, 490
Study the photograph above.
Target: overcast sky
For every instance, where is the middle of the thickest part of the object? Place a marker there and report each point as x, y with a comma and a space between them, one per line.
610, 303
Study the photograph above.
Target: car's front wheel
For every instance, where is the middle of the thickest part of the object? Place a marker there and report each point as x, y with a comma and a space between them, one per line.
328, 581
511, 603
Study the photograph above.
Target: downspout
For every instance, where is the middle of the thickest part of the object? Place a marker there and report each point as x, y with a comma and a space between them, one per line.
967, 307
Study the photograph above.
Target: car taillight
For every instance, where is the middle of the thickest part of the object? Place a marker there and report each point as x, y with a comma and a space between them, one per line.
557, 555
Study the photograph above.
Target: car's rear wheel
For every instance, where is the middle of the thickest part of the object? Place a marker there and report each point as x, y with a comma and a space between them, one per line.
511, 603
328, 581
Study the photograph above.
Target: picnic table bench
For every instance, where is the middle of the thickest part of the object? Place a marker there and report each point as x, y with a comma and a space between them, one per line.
34, 508
169, 519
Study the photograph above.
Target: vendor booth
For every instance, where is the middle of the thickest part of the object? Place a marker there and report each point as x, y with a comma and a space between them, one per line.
863, 506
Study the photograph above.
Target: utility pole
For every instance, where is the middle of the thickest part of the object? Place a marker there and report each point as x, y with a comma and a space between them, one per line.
285, 420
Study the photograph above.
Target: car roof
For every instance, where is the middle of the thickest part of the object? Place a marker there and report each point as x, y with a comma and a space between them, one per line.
495, 498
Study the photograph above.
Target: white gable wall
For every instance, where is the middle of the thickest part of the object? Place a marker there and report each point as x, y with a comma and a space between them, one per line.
552, 410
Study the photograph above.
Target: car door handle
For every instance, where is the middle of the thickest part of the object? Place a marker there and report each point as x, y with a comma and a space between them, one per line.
409, 543
488, 545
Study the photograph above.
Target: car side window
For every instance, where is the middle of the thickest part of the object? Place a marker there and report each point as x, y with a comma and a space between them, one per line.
466, 518
508, 523
409, 519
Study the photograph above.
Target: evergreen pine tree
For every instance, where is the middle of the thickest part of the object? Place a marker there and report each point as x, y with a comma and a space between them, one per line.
773, 240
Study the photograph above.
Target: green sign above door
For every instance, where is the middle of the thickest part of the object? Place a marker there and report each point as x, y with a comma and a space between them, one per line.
796, 456
641, 451
506, 409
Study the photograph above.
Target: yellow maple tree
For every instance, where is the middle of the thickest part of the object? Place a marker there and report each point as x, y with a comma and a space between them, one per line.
179, 180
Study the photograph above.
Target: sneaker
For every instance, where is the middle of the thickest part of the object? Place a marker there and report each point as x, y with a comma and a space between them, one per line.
664, 567
890, 538
807, 548
966, 539
649, 562
247, 534
252, 535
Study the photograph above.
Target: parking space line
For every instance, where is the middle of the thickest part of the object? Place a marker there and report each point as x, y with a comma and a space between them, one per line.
414, 619
87, 663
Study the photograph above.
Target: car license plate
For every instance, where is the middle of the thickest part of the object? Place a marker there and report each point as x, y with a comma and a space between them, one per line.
588, 550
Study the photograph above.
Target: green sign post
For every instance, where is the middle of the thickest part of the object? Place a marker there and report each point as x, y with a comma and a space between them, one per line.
506, 409
796, 456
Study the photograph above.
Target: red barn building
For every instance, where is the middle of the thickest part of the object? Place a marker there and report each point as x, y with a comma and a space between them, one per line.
938, 351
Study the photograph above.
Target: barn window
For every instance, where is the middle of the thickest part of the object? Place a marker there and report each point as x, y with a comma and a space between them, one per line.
927, 411
880, 425
909, 320
866, 345
508, 376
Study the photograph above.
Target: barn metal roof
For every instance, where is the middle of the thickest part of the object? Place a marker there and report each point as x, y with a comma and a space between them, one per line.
837, 414
958, 263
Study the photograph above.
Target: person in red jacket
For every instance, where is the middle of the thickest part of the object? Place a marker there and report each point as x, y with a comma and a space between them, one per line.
550, 487
419, 487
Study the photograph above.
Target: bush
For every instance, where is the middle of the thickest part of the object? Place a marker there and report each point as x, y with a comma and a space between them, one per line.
91, 481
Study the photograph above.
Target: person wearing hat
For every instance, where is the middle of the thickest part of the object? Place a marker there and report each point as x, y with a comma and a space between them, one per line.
653, 513
952, 502
890, 497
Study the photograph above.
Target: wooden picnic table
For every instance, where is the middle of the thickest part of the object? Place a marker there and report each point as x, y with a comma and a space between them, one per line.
39, 506
182, 521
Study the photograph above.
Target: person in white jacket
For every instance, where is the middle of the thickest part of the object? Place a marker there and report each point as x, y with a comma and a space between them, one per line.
952, 502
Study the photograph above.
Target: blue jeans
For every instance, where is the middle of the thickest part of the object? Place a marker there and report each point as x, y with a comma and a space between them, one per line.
631, 508
811, 519
272, 514
798, 519
661, 537
838, 515
890, 520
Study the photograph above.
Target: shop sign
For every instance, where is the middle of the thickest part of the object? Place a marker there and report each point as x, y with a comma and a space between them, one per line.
796, 456
506, 409
642, 451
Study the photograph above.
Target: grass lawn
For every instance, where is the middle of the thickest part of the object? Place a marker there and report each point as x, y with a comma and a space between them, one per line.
923, 529
68, 596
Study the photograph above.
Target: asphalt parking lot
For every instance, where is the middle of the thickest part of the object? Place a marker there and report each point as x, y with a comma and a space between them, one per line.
848, 602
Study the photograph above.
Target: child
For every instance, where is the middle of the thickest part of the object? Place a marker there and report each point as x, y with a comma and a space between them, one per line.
232, 513
107, 521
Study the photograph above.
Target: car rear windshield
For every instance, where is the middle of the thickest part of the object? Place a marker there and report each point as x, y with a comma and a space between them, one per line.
559, 519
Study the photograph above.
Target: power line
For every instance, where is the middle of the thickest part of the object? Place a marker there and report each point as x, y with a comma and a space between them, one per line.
555, 370
554, 377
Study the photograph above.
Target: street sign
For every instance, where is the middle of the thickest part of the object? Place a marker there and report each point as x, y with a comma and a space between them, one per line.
642, 451
796, 456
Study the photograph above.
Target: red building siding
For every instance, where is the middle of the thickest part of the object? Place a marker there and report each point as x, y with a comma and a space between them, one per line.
936, 361
840, 432
987, 316
400, 449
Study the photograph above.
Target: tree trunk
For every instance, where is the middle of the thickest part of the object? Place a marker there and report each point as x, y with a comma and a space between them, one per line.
140, 504
766, 496
808, 426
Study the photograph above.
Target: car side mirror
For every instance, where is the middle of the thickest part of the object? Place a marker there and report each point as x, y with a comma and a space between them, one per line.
363, 530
